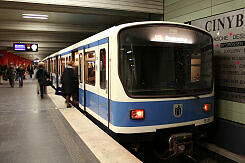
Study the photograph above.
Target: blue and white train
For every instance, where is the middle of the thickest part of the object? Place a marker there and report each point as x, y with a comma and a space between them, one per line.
144, 78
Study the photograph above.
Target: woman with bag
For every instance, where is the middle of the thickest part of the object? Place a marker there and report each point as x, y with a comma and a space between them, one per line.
42, 77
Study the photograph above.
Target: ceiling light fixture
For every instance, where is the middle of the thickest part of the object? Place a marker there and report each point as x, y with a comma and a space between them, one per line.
34, 16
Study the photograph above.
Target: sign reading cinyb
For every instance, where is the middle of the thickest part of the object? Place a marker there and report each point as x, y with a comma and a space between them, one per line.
228, 31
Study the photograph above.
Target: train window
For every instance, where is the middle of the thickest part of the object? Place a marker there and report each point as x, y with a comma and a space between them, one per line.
195, 68
102, 68
48, 65
90, 68
52, 68
62, 65
81, 68
55, 66
59, 66
165, 61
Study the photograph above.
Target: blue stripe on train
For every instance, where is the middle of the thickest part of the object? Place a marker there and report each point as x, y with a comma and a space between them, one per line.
96, 103
93, 44
156, 112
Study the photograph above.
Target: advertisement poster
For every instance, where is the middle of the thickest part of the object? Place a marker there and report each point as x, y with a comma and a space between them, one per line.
228, 31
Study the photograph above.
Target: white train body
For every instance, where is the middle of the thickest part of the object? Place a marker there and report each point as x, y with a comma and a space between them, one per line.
112, 98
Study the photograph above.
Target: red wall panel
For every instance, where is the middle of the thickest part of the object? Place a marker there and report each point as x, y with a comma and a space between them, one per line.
10, 57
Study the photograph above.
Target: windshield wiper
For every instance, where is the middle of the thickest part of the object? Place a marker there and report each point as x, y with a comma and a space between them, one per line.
196, 96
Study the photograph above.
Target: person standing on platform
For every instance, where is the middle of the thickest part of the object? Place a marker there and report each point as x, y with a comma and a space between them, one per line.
1, 74
11, 74
35, 76
67, 80
21, 72
42, 76
5, 69
30, 70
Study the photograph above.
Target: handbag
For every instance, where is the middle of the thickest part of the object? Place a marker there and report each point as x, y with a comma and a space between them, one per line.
47, 82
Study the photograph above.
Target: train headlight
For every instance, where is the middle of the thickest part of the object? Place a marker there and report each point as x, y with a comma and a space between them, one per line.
207, 107
137, 114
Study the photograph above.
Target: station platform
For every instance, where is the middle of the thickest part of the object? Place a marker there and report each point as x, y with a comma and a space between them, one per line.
44, 130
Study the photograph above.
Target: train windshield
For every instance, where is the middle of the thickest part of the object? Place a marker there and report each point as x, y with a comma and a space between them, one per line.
165, 61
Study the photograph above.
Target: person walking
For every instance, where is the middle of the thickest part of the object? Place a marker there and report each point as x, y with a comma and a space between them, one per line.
42, 76
21, 72
11, 74
67, 80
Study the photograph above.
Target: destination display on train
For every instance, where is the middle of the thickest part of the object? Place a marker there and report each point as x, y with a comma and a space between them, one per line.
228, 31
25, 47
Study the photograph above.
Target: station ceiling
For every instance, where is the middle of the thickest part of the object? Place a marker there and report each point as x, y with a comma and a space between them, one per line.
65, 25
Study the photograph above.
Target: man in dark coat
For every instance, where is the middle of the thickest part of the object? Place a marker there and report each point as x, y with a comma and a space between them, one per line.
30, 70
20, 72
67, 80
42, 76
1, 73
11, 72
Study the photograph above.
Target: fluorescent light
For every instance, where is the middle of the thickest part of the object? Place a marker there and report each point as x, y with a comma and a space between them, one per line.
30, 17
38, 15
34, 16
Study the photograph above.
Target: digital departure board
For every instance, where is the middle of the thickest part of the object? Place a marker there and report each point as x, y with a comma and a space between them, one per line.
25, 47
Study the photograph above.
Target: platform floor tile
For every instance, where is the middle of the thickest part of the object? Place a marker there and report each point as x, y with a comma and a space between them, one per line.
33, 130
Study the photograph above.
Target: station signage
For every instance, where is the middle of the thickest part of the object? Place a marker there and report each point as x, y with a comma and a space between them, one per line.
228, 31
25, 47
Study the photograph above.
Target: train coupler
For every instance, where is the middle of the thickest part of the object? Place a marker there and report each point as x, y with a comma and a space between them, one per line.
180, 143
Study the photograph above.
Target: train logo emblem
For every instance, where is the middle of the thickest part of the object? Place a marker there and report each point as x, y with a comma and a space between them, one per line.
178, 110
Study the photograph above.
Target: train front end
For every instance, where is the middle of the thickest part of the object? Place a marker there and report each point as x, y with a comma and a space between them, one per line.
166, 81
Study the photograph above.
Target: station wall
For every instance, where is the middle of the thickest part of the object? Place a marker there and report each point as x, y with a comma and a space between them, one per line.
230, 99
189, 11
186, 10
7, 57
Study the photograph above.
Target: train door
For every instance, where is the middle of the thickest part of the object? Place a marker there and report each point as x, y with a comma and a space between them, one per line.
57, 71
91, 81
75, 95
103, 83
81, 81
52, 70
49, 69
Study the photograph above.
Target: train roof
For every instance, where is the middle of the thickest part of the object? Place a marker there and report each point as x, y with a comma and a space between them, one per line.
119, 27
114, 29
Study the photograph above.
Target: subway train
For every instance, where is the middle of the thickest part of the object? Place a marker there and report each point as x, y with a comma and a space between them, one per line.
152, 80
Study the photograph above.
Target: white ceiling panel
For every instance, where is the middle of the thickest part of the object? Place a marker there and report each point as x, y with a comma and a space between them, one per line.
65, 25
